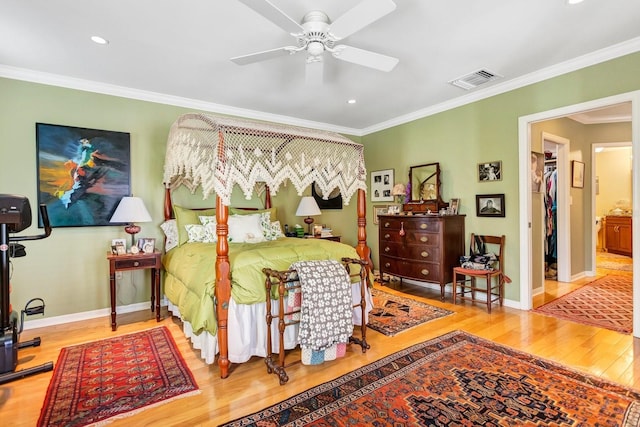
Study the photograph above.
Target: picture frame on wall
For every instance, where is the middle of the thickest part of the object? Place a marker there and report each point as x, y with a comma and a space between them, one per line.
577, 174
379, 210
490, 171
490, 205
82, 173
381, 185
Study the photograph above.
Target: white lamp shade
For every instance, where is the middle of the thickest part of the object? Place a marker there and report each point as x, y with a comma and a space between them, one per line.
130, 210
308, 207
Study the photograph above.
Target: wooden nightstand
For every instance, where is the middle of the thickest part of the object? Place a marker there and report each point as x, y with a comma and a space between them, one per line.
332, 238
139, 261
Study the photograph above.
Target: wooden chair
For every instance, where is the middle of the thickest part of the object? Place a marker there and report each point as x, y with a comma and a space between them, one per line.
494, 278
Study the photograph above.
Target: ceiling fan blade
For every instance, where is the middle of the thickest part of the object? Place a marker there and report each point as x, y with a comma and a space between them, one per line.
362, 14
274, 14
314, 72
365, 57
264, 55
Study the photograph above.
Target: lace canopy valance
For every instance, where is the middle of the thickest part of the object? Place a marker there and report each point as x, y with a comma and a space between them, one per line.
217, 152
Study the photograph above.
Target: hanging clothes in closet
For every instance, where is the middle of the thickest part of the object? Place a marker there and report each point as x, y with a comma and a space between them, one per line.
551, 241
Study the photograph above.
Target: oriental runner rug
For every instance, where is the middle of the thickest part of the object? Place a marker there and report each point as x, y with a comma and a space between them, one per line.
114, 378
605, 303
393, 313
457, 380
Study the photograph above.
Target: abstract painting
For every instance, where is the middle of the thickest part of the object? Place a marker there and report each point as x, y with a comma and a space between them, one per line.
82, 173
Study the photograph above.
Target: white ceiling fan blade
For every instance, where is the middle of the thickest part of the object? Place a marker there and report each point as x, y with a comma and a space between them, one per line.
264, 55
362, 14
274, 14
365, 57
314, 72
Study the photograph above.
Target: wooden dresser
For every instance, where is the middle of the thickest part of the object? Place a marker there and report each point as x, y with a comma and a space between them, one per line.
618, 235
421, 247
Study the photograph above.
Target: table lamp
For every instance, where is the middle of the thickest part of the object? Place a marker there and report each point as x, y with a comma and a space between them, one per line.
308, 207
131, 209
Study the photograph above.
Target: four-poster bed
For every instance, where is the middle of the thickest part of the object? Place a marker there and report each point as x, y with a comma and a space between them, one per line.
216, 153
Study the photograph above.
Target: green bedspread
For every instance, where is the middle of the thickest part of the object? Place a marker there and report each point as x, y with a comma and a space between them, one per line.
190, 279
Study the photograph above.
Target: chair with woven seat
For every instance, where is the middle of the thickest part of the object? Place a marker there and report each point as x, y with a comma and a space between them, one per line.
465, 280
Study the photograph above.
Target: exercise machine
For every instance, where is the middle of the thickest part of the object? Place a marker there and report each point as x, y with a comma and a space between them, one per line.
15, 216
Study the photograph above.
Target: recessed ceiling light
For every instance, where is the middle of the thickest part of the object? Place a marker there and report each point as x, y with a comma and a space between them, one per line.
574, 1
351, 101
99, 40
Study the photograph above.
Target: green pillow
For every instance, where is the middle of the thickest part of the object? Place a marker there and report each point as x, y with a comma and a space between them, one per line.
186, 216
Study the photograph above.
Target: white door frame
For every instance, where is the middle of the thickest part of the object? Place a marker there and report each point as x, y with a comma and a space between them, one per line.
524, 143
563, 202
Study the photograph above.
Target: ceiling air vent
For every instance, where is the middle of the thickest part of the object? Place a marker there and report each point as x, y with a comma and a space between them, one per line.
475, 79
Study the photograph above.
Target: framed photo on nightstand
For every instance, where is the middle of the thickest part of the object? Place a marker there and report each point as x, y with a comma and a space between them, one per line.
147, 245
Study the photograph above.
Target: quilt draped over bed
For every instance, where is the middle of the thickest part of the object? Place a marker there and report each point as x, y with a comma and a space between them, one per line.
218, 152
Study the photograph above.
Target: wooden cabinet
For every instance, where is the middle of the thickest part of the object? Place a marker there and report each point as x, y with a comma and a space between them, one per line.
618, 235
421, 247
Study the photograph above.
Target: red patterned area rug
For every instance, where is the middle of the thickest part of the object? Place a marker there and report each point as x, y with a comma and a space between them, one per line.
457, 380
392, 313
115, 378
605, 303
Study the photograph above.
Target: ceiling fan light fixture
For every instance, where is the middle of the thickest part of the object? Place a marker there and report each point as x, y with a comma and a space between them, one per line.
315, 48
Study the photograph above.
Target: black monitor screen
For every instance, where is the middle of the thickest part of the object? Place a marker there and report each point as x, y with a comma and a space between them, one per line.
15, 211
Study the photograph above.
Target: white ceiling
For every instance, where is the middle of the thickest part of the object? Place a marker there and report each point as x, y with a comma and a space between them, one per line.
179, 52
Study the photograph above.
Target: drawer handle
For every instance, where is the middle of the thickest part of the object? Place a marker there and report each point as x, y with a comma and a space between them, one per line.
136, 263
387, 265
424, 254
423, 226
387, 249
424, 239
425, 272
386, 236
386, 224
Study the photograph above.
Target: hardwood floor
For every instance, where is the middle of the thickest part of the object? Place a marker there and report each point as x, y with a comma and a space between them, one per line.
599, 352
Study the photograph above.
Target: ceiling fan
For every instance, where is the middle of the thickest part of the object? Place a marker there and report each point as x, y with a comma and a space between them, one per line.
316, 34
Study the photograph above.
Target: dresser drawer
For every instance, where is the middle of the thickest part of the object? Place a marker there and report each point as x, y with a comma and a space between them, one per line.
123, 264
425, 271
415, 252
410, 223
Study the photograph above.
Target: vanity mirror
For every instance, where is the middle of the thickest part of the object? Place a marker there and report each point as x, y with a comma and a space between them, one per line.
425, 189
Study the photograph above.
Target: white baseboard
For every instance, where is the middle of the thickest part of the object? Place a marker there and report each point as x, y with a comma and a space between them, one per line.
77, 317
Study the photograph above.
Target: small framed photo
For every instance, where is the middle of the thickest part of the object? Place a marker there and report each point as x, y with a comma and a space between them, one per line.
147, 245
537, 172
577, 174
490, 205
379, 210
454, 205
490, 171
381, 185
118, 246
317, 230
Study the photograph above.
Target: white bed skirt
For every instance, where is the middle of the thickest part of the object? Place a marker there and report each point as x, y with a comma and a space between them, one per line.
248, 330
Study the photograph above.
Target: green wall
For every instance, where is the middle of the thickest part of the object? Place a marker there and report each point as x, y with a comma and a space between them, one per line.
69, 269
484, 131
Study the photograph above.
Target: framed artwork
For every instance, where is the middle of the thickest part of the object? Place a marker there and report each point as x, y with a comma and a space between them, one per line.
454, 206
537, 171
82, 173
577, 174
490, 205
381, 185
334, 199
490, 171
146, 244
379, 210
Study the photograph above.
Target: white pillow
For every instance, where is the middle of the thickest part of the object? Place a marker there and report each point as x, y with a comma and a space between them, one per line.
245, 228
273, 231
170, 230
